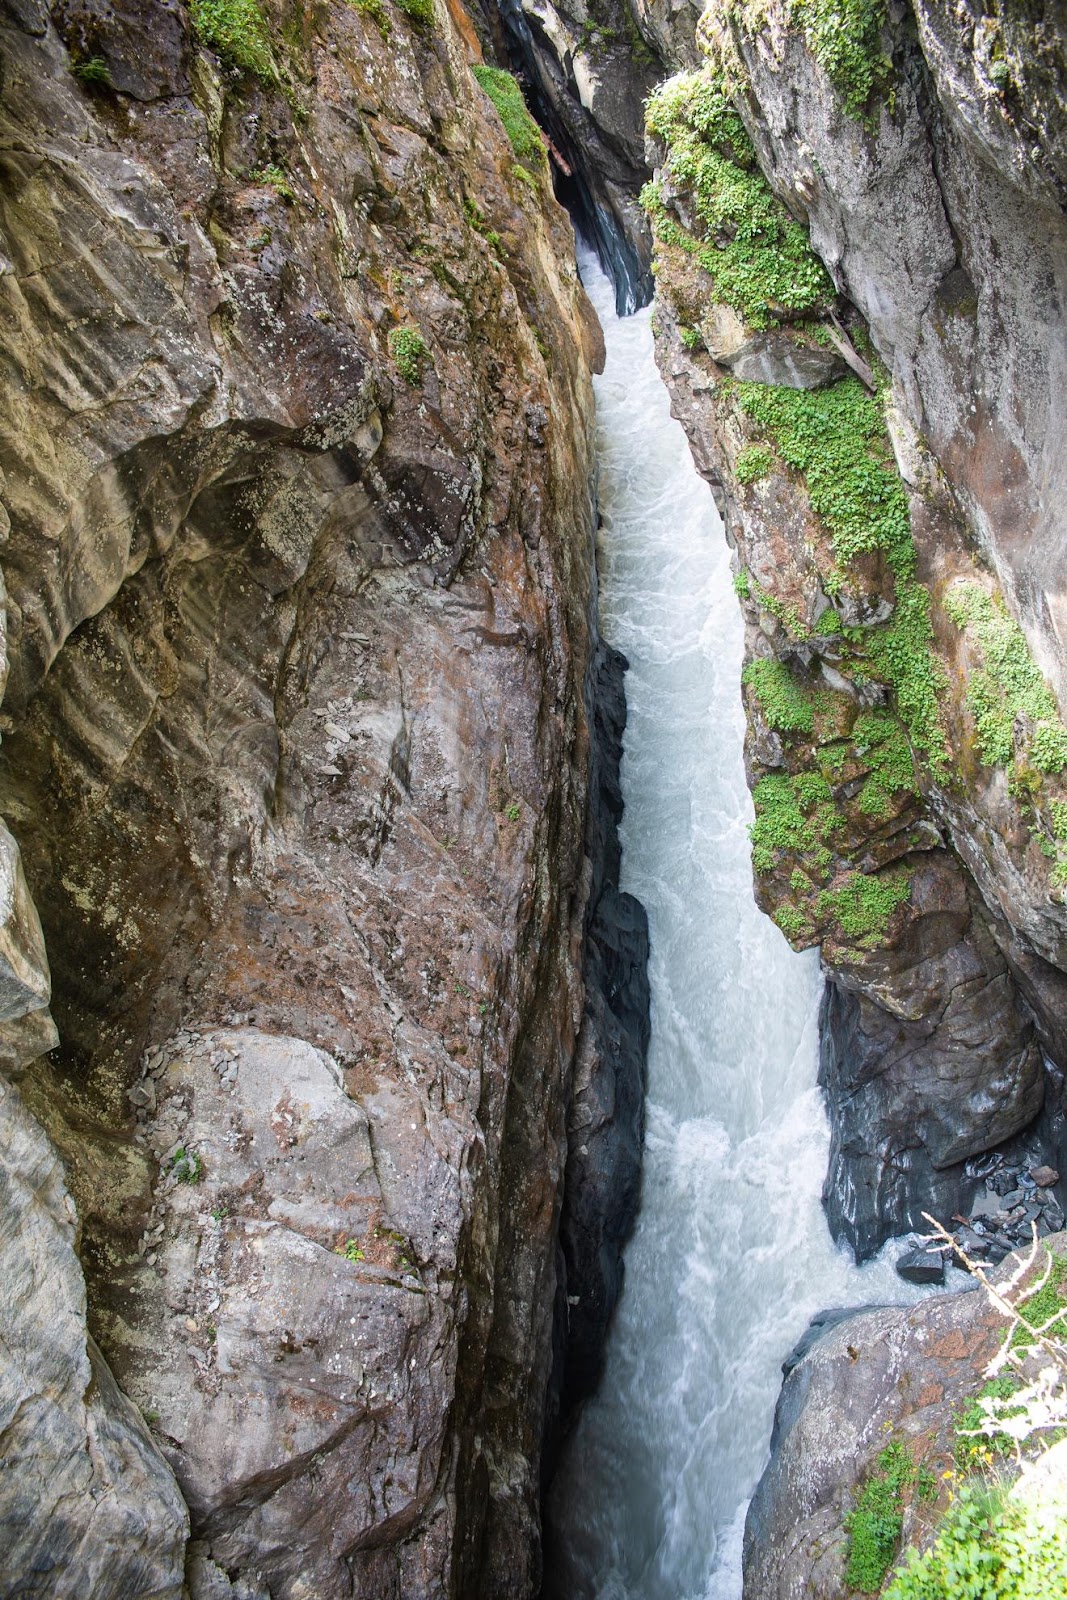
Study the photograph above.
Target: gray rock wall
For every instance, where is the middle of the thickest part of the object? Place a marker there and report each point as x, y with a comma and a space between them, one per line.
295, 434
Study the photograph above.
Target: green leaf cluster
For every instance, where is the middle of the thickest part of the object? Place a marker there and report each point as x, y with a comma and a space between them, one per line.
1008, 684
754, 462
881, 741
786, 705
845, 37
519, 125
874, 1525
238, 30
988, 1548
792, 813
757, 256
408, 350
862, 904
836, 438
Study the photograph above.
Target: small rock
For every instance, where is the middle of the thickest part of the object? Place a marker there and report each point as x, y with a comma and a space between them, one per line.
1044, 1177
1014, 1197
922, 1266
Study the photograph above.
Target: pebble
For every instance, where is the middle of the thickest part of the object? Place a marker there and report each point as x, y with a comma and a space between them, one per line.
1044, 1177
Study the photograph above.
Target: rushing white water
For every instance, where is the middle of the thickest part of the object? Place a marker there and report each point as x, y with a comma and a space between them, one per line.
731, 1256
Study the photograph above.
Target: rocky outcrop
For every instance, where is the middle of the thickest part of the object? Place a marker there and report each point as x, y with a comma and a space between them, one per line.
87, 1503
934, 885
900, 1377
296, 447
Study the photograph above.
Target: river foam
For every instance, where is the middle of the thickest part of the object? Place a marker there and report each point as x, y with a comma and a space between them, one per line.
731, 1256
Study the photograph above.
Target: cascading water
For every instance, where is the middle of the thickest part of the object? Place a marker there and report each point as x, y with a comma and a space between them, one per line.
731, 1256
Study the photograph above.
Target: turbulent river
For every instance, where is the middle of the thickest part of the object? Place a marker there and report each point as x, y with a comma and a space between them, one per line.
731, 1256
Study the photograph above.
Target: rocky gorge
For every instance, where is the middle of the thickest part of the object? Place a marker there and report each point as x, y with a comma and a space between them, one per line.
324, 1014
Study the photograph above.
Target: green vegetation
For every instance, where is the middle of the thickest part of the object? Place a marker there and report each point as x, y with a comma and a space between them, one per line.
481, 226
520, 127
409, 352
836, 438
238, 30
791, 814
880, 739
743, 591
757, 256
971, 1449
350, 1250
785, 704
755, 461
93, 72
1007, 685
989, 1547
844, 36
514, 812
419, 11
275, 178
186, 1165
862, 904
875, 1524
1042, 1306
691, 338
375, 9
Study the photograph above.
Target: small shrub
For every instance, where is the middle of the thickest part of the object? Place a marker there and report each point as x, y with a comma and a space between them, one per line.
989, 1547
238, 30
94, 72
741, 584
408, 350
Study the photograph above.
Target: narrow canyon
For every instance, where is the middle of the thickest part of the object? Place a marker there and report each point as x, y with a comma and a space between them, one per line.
533, 859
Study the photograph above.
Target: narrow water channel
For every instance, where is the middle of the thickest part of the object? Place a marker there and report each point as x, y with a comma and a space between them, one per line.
731, 1256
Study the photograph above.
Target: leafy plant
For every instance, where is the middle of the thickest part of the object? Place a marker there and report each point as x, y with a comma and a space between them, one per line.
785, 704
420, 11
408, 350
94, 71
273, 177
844, 36
757, 256
350, 1250
874, 1525
238, 30
989, 1547
754, 462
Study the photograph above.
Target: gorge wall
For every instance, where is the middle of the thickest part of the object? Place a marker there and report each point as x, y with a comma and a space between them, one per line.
296, 450
860, 254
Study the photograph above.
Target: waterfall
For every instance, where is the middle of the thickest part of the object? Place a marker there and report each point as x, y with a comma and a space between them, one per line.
731, 1256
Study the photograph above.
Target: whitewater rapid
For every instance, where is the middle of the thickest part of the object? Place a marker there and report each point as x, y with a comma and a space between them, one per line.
731, 1256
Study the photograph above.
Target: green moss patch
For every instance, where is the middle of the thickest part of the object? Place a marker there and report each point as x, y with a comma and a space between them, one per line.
862, 904
757, 256
1008, 685
519, 125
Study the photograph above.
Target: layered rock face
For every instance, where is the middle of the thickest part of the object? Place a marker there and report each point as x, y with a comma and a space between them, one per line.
296, 453
896, 226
